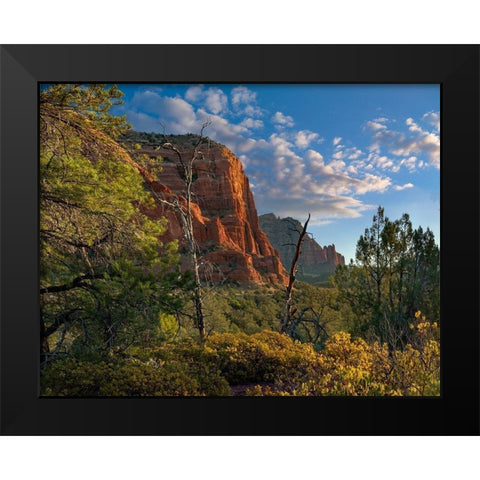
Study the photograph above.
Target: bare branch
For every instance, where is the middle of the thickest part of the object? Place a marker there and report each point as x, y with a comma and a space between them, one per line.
288, 293
75, 283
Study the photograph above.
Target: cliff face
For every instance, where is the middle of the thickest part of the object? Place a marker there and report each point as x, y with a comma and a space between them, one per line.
226, 227
315, 262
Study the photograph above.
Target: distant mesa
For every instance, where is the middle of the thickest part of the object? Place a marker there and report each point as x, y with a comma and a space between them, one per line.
316, 263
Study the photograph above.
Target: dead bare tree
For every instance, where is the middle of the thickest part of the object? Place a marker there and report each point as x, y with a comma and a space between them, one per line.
314, 334
185, 214
294, 322
289, 308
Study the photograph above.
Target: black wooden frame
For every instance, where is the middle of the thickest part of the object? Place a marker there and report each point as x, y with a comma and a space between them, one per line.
454, 67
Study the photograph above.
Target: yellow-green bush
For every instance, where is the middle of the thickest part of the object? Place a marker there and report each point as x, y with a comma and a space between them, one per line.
130, 378
357, 368
279, 365
261, 357
239, 358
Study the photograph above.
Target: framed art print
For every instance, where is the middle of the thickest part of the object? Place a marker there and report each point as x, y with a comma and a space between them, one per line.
205, 240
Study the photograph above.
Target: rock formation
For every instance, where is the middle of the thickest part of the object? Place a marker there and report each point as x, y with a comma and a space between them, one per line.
315, 263
226, 227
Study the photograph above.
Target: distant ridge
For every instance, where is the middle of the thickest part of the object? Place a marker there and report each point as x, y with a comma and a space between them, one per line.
316, 263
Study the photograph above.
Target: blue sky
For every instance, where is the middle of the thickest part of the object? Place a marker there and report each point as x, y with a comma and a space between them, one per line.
334, 151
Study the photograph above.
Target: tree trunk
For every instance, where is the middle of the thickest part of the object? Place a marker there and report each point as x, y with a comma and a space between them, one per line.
44, 345
186, 217
197, 299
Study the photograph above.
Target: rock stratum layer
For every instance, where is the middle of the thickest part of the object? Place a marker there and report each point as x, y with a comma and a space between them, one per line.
316, 263
225, 221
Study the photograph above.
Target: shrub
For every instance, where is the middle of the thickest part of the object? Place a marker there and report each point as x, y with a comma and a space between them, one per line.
357, 368
261, 357
273, 361
130, 378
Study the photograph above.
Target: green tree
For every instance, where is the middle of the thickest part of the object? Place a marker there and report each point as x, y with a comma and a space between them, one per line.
396, 273
104, 274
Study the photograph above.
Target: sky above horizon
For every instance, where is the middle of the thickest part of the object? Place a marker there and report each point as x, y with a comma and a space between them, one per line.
334, 151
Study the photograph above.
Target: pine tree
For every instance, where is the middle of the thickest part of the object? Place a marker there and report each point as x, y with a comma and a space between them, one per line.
396, 273
104, 273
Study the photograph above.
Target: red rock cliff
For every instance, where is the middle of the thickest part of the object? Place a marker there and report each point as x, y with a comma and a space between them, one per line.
226, 224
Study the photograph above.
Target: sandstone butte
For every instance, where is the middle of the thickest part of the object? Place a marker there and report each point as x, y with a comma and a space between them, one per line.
225, 220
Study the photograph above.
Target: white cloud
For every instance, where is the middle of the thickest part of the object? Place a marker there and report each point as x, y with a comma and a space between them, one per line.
244, 101
223, 131
149, 112
339, 154
251, 123
194, 93
179, 115
433, 118
281, 145
416, 143
143, 122
145, 101
428, 144
373, 126
410, 163
403, 187
290, 178
304, 138
314, 156
177, 108
308, 184
382, 162
275, 168
307, 181
373, 183
337, 166
354, 153
412, 126
253, 111
215, 100
243, 95
323, 209
280, 119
